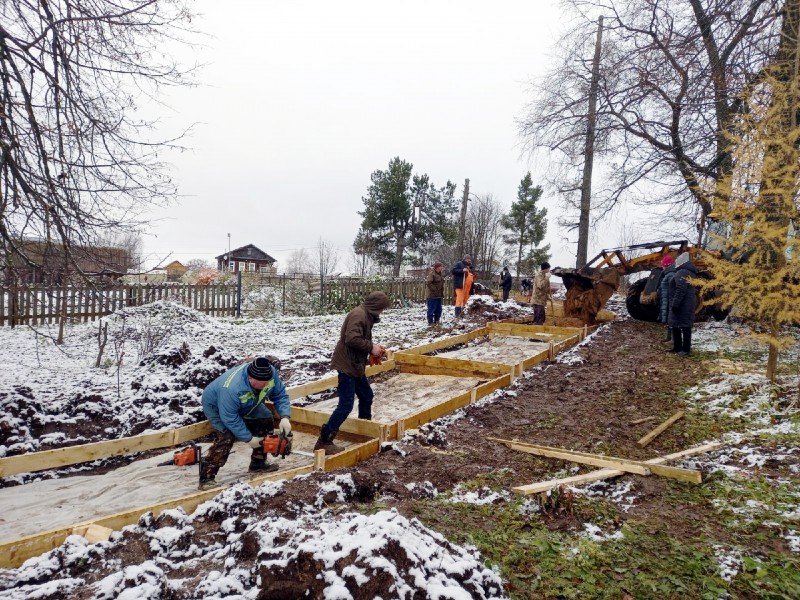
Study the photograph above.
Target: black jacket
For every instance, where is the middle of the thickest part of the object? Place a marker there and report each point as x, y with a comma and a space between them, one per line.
682, 297
458, 274
505, 280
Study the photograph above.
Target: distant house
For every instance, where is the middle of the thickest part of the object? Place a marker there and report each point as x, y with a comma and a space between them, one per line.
175, 270
42, 262
247, 259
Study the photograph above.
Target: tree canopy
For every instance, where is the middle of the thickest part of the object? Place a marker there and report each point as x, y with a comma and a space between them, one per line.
402, 212
526, 226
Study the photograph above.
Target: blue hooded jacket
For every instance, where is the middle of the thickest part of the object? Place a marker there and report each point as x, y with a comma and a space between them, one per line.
229, 400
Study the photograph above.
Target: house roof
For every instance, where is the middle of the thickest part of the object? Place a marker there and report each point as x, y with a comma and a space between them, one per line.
175, 263
248, 252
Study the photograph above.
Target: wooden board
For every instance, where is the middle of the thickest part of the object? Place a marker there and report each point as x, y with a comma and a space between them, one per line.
601, 474
72, 455
468, 368
660, 429
446, 342
599, 460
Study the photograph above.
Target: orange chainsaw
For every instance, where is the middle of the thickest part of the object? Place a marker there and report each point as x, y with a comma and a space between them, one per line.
277, 445
376, 360
190, 455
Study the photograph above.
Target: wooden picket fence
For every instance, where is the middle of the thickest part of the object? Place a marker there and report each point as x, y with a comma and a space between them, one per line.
40, 304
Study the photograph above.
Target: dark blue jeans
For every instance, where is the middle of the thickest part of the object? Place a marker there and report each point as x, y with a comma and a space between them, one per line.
434, 310
349, 387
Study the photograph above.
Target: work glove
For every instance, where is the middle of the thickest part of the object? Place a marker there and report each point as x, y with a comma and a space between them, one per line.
285, 426
254, 442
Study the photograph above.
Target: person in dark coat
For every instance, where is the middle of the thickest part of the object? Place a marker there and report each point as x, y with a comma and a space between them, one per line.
350, 358
505, 283
462, 278
683, 302
435, 284
667, 263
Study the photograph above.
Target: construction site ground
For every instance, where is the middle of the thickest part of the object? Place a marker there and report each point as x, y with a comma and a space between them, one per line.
734, 536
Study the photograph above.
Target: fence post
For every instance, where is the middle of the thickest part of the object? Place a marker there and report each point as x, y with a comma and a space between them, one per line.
283, 297
238, 294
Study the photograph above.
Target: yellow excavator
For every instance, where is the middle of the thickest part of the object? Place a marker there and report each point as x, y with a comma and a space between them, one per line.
590, 287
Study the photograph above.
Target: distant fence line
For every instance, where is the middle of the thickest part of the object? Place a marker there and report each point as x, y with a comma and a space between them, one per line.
46, 304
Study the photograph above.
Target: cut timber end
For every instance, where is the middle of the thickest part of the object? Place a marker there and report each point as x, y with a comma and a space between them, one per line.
319, 460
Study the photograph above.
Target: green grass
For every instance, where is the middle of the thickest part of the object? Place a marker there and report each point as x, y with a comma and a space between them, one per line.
647, 562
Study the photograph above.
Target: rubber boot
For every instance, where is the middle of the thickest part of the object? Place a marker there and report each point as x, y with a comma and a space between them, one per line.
458, 311
207, 474
325, 442
669, 335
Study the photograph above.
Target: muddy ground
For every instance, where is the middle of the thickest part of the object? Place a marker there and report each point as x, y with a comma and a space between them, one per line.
625, 375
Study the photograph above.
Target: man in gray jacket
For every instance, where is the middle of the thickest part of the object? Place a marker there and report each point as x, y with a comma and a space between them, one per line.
683, 302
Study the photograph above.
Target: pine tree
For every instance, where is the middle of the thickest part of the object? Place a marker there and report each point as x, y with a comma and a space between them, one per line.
760, 276
526, 224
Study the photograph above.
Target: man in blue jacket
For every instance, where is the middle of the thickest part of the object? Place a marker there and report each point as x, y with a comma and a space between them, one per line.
234, 405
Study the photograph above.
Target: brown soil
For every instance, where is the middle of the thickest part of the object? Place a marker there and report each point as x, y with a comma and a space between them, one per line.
625, 375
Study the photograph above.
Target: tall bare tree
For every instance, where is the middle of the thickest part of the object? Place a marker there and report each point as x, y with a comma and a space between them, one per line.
299, 261
327, 257
484, 233
670, 87
79, 159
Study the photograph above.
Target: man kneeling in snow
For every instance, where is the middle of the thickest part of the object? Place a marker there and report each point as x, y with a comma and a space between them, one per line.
234, 405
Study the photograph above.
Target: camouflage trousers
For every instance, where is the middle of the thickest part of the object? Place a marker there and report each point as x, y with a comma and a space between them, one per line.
221, 447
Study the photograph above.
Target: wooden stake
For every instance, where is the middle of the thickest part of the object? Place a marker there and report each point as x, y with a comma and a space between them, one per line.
644, 420
319, 460
651, 436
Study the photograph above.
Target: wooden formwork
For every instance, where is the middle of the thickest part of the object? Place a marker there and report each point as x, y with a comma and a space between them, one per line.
490, 376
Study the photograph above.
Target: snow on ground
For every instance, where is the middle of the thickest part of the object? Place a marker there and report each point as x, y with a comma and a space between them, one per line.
154, 364
346, 550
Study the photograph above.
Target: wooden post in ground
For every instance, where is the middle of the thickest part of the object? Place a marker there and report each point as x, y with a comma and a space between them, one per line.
319, 460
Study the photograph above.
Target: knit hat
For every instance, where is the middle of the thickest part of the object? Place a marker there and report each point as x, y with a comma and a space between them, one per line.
682, 259
260, 369
667, 261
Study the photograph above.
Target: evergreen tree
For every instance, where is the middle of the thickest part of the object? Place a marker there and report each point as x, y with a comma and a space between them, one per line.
526, 225
403, 212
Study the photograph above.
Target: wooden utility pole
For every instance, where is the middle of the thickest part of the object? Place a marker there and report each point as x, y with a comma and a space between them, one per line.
586, 184
463, 220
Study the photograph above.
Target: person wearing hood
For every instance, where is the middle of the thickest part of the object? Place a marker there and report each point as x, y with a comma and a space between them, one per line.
350, 358
682, 303
668, 273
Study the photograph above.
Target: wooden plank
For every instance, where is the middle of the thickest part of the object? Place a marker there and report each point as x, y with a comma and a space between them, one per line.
595, 459
601, 474
643, 420
532, 331
487, 388
319, 460
434, 412
353, 455
314, 387
62, 457
446, 342
317, 418
658, 430
622, 464
472, 367
535, 360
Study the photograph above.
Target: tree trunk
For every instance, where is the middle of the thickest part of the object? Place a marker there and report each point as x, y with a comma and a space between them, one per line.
588, 164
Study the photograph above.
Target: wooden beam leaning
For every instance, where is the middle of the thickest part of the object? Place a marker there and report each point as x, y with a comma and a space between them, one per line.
658, 430
601, 474
599, 460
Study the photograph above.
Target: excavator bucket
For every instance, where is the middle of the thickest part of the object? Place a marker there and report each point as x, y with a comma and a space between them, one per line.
588, 289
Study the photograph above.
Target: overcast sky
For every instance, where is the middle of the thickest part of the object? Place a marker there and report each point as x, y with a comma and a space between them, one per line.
301, 100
